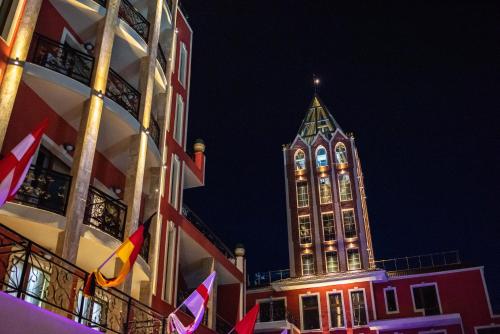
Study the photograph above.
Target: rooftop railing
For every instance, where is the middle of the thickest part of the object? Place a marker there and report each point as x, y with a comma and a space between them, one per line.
265, 278
120, 91
61, 58
160, 56
32, 273
105, 213
206, 231
129, 14
45, 189
432, 261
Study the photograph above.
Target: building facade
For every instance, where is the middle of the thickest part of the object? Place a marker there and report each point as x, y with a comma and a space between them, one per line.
113, 79
334, 284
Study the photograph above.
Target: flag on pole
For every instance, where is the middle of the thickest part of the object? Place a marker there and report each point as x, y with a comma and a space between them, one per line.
196, 303
247, 324
15, 166
127, 252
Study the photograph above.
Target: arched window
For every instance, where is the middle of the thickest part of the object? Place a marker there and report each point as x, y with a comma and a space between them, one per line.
340, 154
321, 158
300, 160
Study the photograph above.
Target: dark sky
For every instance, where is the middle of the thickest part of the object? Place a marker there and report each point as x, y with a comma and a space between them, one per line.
417, 83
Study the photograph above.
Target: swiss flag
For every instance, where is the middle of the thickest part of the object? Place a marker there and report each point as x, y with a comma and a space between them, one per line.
15, 165
247, 324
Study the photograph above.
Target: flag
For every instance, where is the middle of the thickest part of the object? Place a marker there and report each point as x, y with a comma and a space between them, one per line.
247, 324
127, 252
15, 166
196, 303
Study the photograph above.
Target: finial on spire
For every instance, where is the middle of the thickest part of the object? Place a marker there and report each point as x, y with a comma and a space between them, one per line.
316, 83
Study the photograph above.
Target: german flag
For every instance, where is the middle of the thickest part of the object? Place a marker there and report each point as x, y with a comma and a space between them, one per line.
127, 252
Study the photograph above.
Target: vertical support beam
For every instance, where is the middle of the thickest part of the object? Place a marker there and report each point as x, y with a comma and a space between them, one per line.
87, 135
14, 71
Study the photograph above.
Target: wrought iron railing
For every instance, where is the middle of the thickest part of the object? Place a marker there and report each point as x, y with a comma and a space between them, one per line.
207, 232
154, 130
135, 19
265, 278
105, 213
420, 262
30, 272
45, 189
160, 56
61, 58
120, 91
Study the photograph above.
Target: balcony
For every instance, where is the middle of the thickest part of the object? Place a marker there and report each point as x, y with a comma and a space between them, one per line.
160, 56
265, 278
105, 213
45, 189
154, 130
120, 91
41, 278
129, 14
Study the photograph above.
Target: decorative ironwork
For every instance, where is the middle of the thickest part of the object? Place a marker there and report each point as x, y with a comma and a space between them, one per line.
105, 213
45, 189
61, 58
154, 131
265, 278
207, 232
135, 19
160, 56
123, 93
39, 277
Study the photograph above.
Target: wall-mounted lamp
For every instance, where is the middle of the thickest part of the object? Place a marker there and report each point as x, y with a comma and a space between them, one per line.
99, 94
117, 190
16, 61
176, 30
156, 190
68, 147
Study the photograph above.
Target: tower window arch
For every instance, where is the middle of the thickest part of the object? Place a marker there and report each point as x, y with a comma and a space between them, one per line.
340, 154
321, 157
300, 160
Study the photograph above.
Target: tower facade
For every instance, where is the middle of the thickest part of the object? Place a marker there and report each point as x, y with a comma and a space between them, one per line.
328, 227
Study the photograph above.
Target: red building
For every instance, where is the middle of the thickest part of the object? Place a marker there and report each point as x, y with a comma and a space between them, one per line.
334, 283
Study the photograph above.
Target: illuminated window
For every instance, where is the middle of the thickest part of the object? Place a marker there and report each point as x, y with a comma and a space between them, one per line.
183, 65
336, 310
359, 316
340, 154
391, 300
302, 195
321, 158
300, 160
328, 226
179, 120
353, 259
325, 190
9, 12
305, 230
307, 264
349, 223
310, 312
332, 262
345, 187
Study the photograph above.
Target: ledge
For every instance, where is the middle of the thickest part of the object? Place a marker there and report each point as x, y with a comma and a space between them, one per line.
416, 322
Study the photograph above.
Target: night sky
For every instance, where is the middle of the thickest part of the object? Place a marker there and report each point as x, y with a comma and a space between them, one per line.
419, 86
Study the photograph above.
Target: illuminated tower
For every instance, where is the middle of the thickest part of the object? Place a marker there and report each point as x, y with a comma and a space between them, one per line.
328, 227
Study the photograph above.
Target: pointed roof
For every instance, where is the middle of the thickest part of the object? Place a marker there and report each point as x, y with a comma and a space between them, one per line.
318, 120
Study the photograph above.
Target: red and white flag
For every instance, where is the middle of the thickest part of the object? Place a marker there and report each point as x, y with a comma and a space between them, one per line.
196, 303
15, 165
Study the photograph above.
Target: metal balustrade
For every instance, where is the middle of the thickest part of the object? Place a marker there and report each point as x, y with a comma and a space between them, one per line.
32, 273
206, 231
105, 213
154, 130
420, 262
61, 58
129, 14
265, 278
45, 189
160, 56
120, 91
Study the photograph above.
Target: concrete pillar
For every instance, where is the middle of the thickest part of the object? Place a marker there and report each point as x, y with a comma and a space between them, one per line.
87, 136
241, 265
14, 70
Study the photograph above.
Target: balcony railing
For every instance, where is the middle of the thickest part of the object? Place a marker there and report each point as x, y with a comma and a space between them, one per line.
123, 93
154, 131
160, 56
38, 276
45, 189
265, 278
419, 263
105, 213
206, 231
61, 58
135, 19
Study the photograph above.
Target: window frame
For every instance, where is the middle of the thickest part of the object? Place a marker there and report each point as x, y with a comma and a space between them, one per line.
345, 152
318, 298
310, 229
354, 220
306, 194
333, 225
173, 198
342, 175
326, 261
302, 264
422, 311
14, 13
347, 258
317, 155
327, 184
395, 297
179, 117
303, 159
183, 54
350, 291
270, 299
476, 328
328, 293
